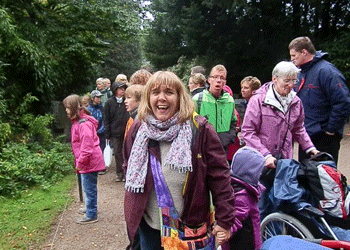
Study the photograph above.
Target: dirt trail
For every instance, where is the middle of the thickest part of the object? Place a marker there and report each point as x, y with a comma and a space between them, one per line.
110, 231
107, 234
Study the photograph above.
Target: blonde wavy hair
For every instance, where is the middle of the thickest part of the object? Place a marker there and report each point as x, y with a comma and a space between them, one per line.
169, 79
140, 77
254, 82
135, 91
198, 79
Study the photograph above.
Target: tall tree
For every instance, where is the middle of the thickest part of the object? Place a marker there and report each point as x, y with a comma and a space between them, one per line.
163, 45
248, 37
59, 42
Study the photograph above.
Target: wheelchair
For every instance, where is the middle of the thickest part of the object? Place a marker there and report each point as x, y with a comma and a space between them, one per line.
304, 221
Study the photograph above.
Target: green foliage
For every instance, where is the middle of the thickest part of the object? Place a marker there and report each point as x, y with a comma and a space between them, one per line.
121, 57
164, 39
21, 125
51, 48
183, 67
340, 55
23, 161
5, 128
26, 165
24, 105
38, 127
248, 37
5, 132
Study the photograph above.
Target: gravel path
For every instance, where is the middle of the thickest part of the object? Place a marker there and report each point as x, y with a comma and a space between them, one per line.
110, 231
107, 234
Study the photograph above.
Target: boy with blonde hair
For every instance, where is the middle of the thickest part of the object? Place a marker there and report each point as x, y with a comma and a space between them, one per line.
132, 101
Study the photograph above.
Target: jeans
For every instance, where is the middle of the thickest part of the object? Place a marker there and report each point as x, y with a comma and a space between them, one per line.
89, 181
149, 237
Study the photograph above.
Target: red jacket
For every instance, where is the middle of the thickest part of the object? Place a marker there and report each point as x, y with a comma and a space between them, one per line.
211, 172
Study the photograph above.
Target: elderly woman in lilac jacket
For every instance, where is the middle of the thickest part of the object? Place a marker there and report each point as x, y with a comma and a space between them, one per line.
274, 118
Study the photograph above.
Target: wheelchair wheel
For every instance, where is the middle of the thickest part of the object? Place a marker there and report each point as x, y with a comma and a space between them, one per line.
283, 224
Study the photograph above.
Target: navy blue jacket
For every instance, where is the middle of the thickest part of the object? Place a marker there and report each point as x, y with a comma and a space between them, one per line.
325, 97
97, 112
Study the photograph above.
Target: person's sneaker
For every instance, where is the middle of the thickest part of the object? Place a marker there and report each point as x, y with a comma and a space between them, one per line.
85, 220
119, 179
82, 210
102, 172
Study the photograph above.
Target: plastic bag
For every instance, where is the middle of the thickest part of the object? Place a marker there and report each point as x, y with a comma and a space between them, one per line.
107, 154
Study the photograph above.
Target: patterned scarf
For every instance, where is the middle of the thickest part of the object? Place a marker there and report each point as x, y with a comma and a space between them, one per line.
179, 156
284, 100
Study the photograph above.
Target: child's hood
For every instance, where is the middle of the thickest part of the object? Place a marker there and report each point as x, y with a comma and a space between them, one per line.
85, 117
254, 190
247, 165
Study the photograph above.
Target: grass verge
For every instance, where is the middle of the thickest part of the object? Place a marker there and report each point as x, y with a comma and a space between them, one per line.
25, 222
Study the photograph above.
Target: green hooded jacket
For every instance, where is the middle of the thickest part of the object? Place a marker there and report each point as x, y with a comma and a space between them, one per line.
219, 112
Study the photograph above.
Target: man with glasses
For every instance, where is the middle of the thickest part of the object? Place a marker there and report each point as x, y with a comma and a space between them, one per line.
325, 97
218, 106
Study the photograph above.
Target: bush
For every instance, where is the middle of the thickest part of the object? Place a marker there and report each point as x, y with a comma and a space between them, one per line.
29, 154
26, 165
18, 125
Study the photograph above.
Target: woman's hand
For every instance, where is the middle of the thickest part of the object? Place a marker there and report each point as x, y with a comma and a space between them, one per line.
314, 152
221, 235
270, 162
220, 238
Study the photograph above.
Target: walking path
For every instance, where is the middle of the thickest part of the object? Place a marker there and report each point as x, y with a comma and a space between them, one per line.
110, 231
107, 234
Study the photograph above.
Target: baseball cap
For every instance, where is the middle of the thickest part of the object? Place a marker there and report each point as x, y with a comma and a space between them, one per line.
95, 93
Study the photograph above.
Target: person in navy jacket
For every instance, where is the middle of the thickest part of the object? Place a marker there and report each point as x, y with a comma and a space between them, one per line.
325, 97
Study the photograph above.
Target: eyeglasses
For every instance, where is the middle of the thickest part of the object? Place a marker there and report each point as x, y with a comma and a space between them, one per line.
218, 78
290, 81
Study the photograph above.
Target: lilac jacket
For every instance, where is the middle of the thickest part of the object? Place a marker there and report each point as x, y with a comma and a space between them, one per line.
86, 145
246, 206
265, 125
211, 172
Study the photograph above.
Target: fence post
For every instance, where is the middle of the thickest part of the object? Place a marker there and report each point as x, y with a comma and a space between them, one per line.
80, 188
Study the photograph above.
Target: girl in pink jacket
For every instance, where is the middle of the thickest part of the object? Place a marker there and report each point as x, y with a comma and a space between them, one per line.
87, 153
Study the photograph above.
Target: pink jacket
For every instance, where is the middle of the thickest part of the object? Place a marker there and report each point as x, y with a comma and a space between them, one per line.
265, 126
86, 145
246, 204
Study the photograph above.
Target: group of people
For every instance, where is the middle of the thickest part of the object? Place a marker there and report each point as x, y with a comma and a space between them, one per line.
99, 117
179, 160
